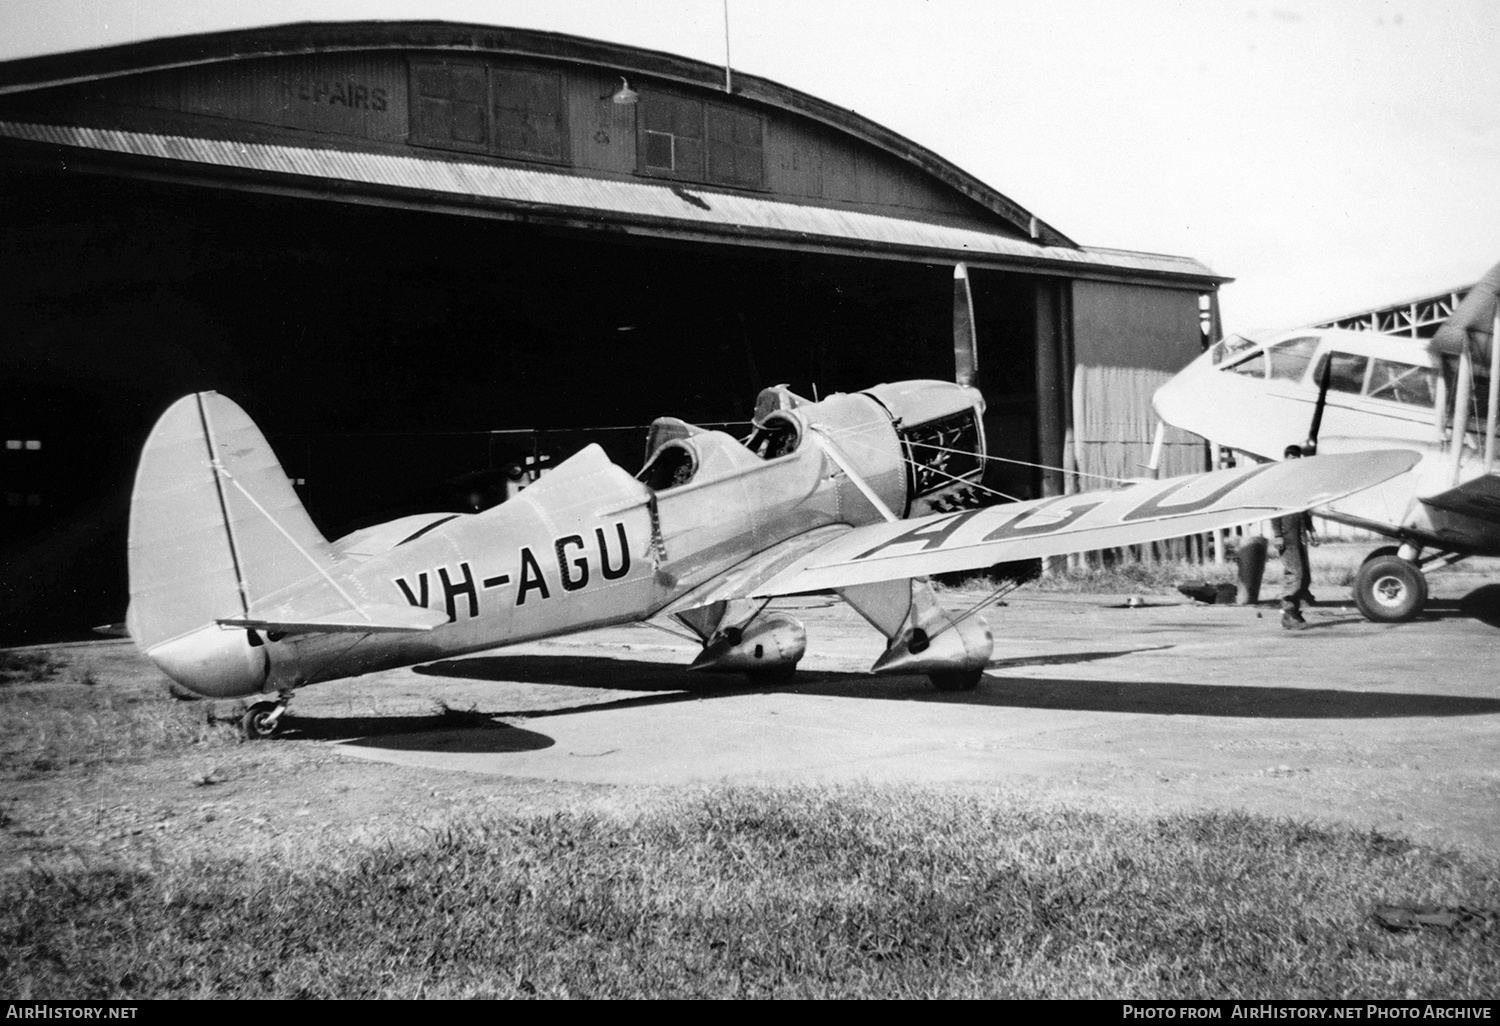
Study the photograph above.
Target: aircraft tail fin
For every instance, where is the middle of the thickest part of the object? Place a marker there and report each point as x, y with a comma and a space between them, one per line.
214, 523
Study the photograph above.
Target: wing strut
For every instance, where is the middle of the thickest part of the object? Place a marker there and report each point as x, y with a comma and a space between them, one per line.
1494, 396
1464, 394
859, 482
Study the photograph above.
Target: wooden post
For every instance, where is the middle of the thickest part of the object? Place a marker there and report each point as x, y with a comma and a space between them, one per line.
1050, 413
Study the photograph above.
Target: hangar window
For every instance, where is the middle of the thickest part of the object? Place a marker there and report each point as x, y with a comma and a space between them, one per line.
508, 112
735, 148
687, 139
450, 104
529, 113
671, 136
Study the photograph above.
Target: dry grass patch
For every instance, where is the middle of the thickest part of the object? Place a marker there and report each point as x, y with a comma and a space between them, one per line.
786, 892
55, 713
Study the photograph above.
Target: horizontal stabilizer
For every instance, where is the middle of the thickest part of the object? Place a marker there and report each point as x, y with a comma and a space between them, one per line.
363, 620
1138, 513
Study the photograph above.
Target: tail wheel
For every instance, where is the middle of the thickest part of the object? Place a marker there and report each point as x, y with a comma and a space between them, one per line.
1388, 589
956, 680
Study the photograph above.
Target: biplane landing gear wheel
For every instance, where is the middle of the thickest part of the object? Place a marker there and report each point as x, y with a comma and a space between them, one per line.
956, 680
261, 720
1389, 589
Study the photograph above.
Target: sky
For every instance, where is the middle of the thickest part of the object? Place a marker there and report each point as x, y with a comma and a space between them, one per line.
1329, 155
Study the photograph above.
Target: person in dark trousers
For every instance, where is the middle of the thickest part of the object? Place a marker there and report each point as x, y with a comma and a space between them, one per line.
1294, 531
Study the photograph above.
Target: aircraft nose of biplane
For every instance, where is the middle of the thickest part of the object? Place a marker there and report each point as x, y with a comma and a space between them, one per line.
214, 661
1186, 399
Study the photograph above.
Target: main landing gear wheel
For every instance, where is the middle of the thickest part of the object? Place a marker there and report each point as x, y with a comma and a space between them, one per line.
956, 680
261, 721
1389, 589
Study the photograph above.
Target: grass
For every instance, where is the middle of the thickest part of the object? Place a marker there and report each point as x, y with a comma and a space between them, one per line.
54, 714
788, 892
28, 666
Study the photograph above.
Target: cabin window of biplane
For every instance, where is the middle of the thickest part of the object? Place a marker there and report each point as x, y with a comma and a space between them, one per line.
1253, 366
1345, 371
1285, 360
1224, 352
941, 452
1290, 359
1401, 383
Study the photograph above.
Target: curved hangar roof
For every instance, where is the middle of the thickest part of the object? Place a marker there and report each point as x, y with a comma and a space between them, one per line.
528, 126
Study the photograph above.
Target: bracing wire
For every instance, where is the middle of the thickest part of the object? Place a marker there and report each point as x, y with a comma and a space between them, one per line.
923, 466
994, 596
667, 630
1022, 463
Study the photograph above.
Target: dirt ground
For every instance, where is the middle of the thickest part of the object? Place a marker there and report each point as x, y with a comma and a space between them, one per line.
1088, 703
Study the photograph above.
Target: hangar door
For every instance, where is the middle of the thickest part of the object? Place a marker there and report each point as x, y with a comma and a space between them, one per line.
1128, 340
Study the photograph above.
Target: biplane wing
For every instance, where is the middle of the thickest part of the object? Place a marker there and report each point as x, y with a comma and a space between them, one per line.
1139, 512
1477, 497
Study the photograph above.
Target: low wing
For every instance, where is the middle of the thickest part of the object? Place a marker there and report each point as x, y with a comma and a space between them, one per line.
1478, 498
1140, 512
744, 578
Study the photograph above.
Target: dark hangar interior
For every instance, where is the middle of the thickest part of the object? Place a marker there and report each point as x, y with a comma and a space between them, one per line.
420, 254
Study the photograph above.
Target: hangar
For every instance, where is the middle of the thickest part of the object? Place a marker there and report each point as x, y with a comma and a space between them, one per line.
421, 253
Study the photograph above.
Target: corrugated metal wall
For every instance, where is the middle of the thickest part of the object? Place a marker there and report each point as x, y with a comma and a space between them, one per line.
1128, 340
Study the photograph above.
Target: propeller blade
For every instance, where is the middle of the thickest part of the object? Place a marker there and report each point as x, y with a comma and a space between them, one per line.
1317, 422
965, 342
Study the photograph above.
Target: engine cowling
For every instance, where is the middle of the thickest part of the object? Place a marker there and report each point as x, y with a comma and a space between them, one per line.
911, 442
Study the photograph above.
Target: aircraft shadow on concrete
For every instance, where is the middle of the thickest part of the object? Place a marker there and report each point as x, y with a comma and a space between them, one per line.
668, 683
1483, 604
467, 732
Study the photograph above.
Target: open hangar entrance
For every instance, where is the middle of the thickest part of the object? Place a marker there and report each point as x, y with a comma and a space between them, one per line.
392, 356
421, 252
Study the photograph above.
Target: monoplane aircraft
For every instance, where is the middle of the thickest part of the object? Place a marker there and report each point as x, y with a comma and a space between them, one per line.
235, 593
1366, 390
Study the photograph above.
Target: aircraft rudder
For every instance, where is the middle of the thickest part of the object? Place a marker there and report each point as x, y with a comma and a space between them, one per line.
214, 522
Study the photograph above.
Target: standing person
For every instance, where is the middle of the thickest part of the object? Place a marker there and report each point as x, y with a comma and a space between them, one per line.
1294, 530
